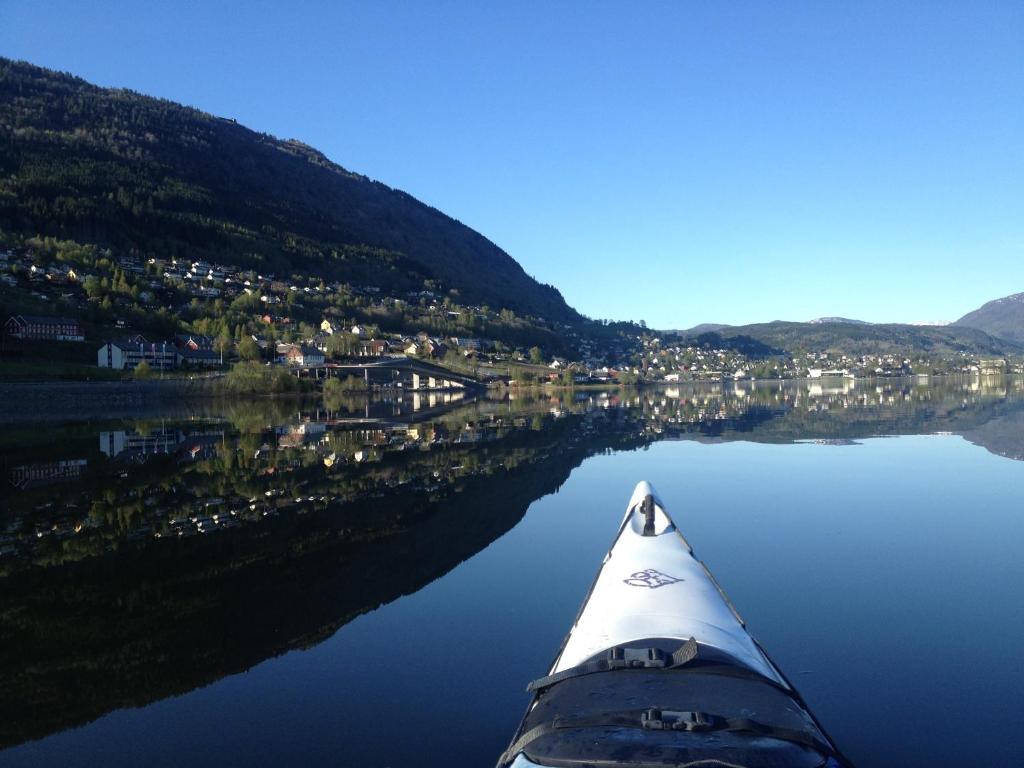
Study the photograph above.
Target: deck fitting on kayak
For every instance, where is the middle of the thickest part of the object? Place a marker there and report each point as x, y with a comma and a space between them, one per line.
647, 506
639, 657
670, 720
623, 658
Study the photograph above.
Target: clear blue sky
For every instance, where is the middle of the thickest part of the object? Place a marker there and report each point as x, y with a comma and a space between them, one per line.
676, 162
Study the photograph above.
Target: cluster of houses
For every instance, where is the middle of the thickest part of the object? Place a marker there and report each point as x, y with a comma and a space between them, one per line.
197, 351
208, 280
420, 345
661, 361
43, 282
155, 281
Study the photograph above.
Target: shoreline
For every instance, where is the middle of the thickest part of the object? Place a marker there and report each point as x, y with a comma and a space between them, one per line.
50, 401
794, 380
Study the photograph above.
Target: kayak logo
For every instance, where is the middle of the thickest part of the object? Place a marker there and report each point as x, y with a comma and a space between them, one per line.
650, 578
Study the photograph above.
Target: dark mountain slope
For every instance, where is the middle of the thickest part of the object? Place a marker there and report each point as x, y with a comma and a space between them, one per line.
137, 173
1003, 318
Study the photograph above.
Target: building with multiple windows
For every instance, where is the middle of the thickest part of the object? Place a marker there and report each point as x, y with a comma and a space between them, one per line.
44, 328
126, 355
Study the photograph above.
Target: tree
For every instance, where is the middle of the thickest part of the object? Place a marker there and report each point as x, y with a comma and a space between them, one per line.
92, 287
342, 344
223, 344
143, 371
536, 356
347, 385
248, 349
627, 378
259, 379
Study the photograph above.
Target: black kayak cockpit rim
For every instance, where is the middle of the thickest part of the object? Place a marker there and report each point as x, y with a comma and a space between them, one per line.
667, 665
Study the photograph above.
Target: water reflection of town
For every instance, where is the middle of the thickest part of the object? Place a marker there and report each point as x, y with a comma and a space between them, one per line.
88, 493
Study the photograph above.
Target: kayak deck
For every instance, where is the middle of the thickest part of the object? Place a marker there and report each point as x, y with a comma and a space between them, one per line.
651, 585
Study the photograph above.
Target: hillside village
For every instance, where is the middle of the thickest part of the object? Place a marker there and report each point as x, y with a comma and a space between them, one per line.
196, 314
141, 316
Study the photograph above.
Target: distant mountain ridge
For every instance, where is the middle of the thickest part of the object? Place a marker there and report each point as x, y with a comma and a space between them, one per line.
820, 320
701, 328
141, 174
868, 338
1002, 318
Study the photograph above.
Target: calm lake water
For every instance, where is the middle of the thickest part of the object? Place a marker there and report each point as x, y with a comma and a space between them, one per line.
373, 583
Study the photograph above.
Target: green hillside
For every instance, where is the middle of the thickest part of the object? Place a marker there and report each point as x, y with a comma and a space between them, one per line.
151, 177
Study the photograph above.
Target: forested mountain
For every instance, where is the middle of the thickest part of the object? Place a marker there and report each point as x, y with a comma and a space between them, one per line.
871, 338
1003, 318
149, 176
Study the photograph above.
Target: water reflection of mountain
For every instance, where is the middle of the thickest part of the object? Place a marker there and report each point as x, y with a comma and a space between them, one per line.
138, 623
1003, 435
182, 551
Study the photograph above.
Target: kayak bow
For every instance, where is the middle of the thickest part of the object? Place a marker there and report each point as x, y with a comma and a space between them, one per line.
659, 669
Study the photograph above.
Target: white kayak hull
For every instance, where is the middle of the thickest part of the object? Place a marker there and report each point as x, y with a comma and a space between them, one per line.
659, 669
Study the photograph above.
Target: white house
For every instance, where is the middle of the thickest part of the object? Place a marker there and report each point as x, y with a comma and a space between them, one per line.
300, 355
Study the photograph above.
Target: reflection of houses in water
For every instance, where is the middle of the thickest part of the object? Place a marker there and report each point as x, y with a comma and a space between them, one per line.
297, 435
378, 436
129, 444
200, 445
44, 473
470, 434
831, 385
820, 373
162, 440
991, 384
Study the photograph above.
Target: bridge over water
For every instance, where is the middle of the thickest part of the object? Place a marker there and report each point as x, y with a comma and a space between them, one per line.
405, 372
